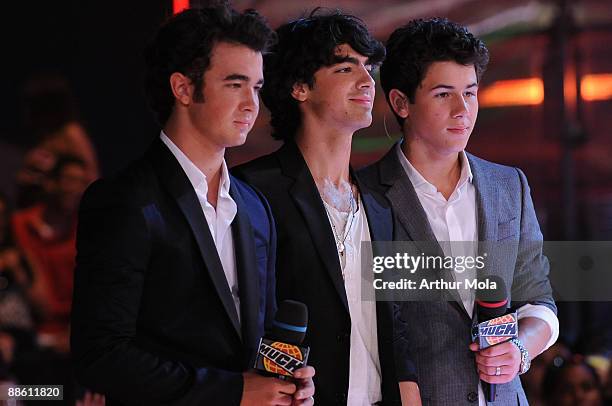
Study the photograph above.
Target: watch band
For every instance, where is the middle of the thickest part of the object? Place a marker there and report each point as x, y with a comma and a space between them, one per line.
525, 359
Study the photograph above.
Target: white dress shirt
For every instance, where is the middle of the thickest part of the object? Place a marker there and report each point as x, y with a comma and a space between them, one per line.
455, 220
219, 220
364, 371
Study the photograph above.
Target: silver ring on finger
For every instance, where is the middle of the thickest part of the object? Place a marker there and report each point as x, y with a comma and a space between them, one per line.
497, 371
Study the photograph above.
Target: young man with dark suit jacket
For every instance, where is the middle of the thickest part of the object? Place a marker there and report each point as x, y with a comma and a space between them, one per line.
175, 267
320, 90
439, 192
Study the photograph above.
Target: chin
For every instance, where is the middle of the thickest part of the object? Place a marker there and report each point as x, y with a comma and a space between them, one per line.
237, 140
362, 122
458, 143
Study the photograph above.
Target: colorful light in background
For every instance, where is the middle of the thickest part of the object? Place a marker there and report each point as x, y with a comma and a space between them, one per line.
530, 91
179, 5
515, 92
596, 86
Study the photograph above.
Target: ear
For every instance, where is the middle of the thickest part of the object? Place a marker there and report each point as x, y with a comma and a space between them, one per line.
300, 91
182, 88
399, 103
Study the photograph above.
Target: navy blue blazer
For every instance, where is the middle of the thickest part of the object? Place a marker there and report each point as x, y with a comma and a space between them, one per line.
153, 319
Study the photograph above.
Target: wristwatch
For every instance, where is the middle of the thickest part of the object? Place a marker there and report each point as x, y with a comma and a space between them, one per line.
525, 359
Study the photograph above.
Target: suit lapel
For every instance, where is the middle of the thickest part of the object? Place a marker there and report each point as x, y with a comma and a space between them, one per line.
246, 264
408, 209
380, 222
487, 209
306, 196
176, 182
411, 215
380, 217
487, 201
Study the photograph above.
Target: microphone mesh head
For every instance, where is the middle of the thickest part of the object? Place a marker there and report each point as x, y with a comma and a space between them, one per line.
290, 322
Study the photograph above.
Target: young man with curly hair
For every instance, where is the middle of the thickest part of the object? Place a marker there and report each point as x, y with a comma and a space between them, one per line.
320, 90
439, 193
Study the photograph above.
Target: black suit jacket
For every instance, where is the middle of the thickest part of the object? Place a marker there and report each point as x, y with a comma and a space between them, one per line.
153, 319
308, 269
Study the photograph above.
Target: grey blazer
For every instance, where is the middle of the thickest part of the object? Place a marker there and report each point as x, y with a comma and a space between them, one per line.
439, 332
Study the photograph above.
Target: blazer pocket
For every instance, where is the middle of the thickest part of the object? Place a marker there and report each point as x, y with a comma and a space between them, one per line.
508, 229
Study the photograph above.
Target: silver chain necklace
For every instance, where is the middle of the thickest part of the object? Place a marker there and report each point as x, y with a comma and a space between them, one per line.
341, 238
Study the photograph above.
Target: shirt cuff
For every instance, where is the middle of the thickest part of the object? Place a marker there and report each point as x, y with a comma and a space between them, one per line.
543, 313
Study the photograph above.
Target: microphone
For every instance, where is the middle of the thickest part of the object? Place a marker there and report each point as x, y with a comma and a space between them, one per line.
491, 305
280, 352
491, 301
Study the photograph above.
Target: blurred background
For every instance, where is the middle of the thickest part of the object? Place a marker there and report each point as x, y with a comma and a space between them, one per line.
73, 109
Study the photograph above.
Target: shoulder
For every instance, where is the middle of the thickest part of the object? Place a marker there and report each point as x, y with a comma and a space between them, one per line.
510, 182
494, 170
267, 175
253, 202
250, 195
381, 172
369, 175
258, 168
130, 185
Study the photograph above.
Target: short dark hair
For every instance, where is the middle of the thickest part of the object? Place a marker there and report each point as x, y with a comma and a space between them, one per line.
303, 47
411, 49
185, 42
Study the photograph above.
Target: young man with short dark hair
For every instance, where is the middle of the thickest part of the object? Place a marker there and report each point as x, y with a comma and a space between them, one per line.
175, 266
439, 192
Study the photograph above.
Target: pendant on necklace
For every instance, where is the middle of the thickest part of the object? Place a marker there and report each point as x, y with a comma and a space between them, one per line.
341, 248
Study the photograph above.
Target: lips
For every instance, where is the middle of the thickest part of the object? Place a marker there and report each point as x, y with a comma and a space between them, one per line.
458, 130
242, 123
362, 100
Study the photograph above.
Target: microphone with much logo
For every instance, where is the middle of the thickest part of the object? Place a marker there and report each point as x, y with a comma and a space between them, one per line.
494, 325
280, 352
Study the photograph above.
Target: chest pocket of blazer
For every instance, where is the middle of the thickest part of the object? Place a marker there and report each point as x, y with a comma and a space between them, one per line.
508, 229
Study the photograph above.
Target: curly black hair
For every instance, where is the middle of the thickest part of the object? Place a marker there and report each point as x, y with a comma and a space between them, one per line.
412, 48
303, 47
185, 42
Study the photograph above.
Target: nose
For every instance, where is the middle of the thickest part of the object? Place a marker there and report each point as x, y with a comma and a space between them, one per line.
250, 101
366, 80
460, 107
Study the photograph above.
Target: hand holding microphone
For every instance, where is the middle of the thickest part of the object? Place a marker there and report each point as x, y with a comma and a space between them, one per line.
282, 376
498, 361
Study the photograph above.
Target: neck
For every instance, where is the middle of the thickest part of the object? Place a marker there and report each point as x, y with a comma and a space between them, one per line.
327, 154
441, 170
205, 155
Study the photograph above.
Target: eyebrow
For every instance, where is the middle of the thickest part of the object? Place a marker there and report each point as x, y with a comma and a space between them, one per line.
350, 59
442, 86
243, 78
